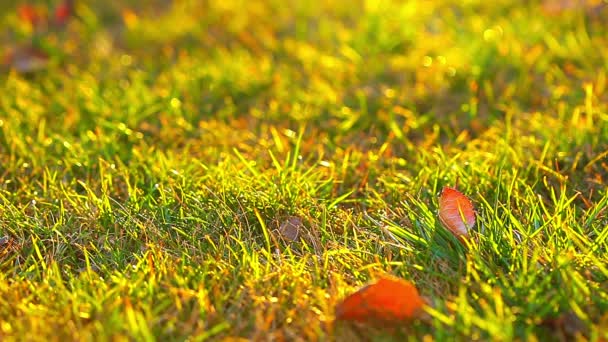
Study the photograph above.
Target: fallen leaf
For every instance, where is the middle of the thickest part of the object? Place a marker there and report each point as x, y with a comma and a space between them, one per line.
8, 250
26, 59
234, 339
290, 229
5, 242
129, 17
568, 325
456, 212
389, 299
29, 14
63, 12
555, 7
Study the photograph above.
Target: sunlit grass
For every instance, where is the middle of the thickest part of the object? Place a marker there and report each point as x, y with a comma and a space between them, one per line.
145, 173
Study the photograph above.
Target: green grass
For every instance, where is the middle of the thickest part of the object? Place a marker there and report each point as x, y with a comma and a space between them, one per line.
145, 173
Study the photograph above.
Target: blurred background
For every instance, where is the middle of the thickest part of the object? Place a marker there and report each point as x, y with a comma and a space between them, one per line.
366, 66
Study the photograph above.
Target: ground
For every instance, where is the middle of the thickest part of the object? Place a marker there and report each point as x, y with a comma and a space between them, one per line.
199, 170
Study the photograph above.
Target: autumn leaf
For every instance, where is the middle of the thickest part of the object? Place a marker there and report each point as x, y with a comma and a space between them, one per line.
8, 251
389, 299
234, 339
26, 59
63, 12
591, 7
290, 229
29, 14
456, 212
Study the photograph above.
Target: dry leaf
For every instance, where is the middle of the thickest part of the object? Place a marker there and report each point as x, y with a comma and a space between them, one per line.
8, 249
26, 59
456, 212
5, 243
63, 12
234, 339
555, 7
29, 14
567, 325
129, 17
290, 229
390, 299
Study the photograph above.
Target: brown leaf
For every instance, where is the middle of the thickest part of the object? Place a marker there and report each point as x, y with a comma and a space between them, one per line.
555, 7
26, 59
567, 325
8, 249
290, 228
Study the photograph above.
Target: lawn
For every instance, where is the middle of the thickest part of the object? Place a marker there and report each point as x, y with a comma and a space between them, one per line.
193, 170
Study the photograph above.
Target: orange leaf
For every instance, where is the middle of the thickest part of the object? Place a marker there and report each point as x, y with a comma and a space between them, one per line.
456, 212
29, 14
389, 299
